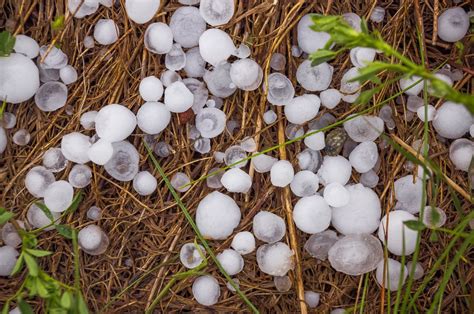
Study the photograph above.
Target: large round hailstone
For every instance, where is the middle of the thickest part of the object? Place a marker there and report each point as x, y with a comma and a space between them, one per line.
158, 38
397, 232
123, 165
215, 46
8, 258
280, 89
461, 152
115, 123
141, 11
330, 98
75, 146
303, 108
393, 272
187, 26
80, 176
304, 183
406, 84
178, 98
453, 24
312, 214
58, 196
26, 46
190, 256
195, 65
216, 12
106, 32
361, 56
3, 140
335, 169
282, 173
144, 183
243, 242
217, 216
361, 214
409, 192
51, 96
231, 261
275, 259
336, 195
38, 219
268, 227
364, 156
364, 128
86, 7
452, 120
219, 82
314, 78
151, 88
356, 254
153, 117
210, 122
236, 180
100, 152
37, 180
246, 74
206, 290
19, 78
308, 40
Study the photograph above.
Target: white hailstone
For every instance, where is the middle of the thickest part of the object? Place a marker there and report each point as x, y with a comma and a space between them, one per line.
361, 214
242, 52
246, 74
190, 256
311, 298
144, 183
315, 141
158, 38
89, 42
210, 122
54, 160
195, 64
19, 80
51, 96
54, 58
8, 121
92, 240
282, 173
309, 160
37, 180
461, 152
236, 180
434, 217
430, 113
187, 26
280, 90
206, 290
453, 24
169, 77
86, 7
302, 108
330, 98
219, 157
275, 259
270, 117
153, 117
175, 59
3, 140
282, 283
406, 82
38, 219
263, 163
312, 214
401, 240
141, 11
393, 272
21, 137
80, 176
199, 91
216, 12
115, 123
268, 227
234, 154
314, 78
409, 192
123, 165
296, 51
9, 234
347, 85
26, 46
179, 182
8, 258
219, 82
243, 242
217, 215
419, 271
369, 179
278, 62
336, 195
68, 74
151, 88
58, 196
248, 144
335, 169
106, 32
353, 20
377, 15
318, 244
202, 145
364, 128
100, 152
364, 156
356, 254
350, 98
305, 183
231, 261
215, 46
452, 120
94, 213
178, 98
87, 119
308, 40
361, 56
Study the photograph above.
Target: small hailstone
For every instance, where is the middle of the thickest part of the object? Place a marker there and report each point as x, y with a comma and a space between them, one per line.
311, 298
8, 258
87, 119
169, 77
419, 271
158, 38
282, 173
21, 137
153, 117
369, 179
210, 122
100, 152
217, 215
219, 81
175, 59
206, 290
361, 214
195, 64
20, 78
347, 85
303, 108
364, 128
350, 98
94, 213
263, 163
81, 8
51, 96
248, 144
296, 51
151, 88
308, 40
336, 195
162, 149
461, 152
80, 176
315, 141
318, 244
443, 77
361, 56
199, 91
406, 82
187, 26
37, 180
219, 157
434, 217
246, 74
68, 74
393, 272
10, 236
202, 145
314, 78
269, 117
275, 259
115, 123
189, 255
243, 242
312, 214
230, 287
409, 192
38, 219
54, 160
364, 157
58, 196
453, 24
106, 32
141, 11
414, 102
144, 183
280, 89
305, 183
430, 110
215, 46
242, 51
123, 165
278, 62
89, 42
8, 120
178, 98
282, 283
178, 180
92, 240
54, 59
452, 120
310, 160
330, 98
335, 169
231, 261
26, 46
377, 15
400, 239
236, 180
216, 12
293, 131
353, 20
235, 154
214, 181
268, 227
356, 254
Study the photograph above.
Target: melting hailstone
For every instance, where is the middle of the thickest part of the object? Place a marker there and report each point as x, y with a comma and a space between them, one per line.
364, 128
94, 213
419, 271
330, 98
318, 244
243, 242
310, 160
378, 13
314, 78
246, 74
281, 173
461, 152
263, 163
336, 195
335, 169
80, 176
280, 89
189, 255
215, 46
361, 56
268, 227
141, 11
38, 219
409, 192
282, 283
37, 180
216, 12
106, 32
54, 160
158, 38
179, 182
275, 259
210, 122
58, 196
8, 258
187, 26
153, 117
312, 214
123, 165
115, 123
278, 62
93, 240
303, 108
19, 80
452, 120
311, 298
54, 58
206, 290
195, 64
100, 152
400, 239
364, 156
453, 24
231, 261
219, 81
151, 88
393, 273
175, 59
21, 137
236, 180
144, 183
68, 74
235, 154
308, 40
434, 217
304, 183
178, 98
26, 46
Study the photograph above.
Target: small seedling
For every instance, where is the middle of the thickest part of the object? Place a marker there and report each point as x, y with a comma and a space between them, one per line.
7, 42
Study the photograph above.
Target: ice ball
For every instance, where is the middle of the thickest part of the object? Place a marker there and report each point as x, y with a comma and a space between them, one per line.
216, 12
282, 173
106, 31
144, 183
115, 123
236, 180
58, 196
275, 259
400, 239
153, 117
206, 290
158, 38
141, 11
190, 256
452, 120
187, 26
215, 46
19, 80
268, 227
393, 274
461, 152
312, 214
231, 261
243, 242
453, 24
303, 108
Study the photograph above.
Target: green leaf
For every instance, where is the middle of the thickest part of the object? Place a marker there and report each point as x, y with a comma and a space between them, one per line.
7, 42
363, 26
6, 216
58, 23
81, 305
25, 308
32, 265
321, 56
75, 203
42, 291
38, 253
18, 264
66, 300
415, 225
434, 236
6, 307
64, 230
45, 210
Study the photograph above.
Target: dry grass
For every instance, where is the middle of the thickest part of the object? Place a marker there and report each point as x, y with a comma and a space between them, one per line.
150, 231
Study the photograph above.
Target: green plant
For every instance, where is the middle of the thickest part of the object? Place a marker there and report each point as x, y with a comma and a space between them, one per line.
7, 42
